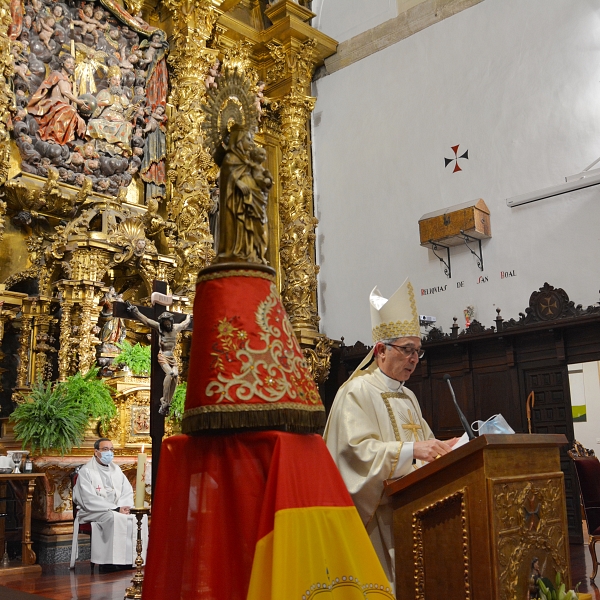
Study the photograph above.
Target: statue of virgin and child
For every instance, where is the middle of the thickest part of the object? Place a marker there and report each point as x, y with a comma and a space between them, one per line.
244, 186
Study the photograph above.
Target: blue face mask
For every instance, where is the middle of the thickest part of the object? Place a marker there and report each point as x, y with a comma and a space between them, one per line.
106, 457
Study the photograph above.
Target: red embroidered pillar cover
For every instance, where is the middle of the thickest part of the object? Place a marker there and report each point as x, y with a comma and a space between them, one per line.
246, 367
251, 506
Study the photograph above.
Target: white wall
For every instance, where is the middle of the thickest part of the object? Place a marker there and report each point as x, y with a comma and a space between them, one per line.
343, 19
518, 85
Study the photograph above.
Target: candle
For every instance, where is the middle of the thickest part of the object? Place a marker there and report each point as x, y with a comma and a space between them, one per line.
140, 483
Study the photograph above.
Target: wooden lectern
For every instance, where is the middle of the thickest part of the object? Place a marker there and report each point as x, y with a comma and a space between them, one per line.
470, 525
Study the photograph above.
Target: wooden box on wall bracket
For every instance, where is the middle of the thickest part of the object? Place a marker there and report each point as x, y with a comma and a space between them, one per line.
444, 226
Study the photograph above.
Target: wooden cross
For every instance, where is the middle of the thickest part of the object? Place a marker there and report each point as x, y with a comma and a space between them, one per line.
412, 425
157, 375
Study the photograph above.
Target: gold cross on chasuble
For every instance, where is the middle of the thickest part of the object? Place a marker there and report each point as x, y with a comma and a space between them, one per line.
411, 425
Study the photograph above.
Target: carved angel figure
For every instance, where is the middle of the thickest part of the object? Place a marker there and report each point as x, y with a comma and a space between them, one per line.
88, 23
213, 73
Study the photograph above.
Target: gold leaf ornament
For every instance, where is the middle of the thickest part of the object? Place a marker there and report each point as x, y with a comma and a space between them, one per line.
232, 103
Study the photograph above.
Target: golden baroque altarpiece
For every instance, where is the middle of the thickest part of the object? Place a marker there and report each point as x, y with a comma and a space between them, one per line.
106, 185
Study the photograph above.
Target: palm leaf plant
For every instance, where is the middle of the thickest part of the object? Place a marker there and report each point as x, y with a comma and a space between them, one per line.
56, 416
136, 357
49, 419
93, 394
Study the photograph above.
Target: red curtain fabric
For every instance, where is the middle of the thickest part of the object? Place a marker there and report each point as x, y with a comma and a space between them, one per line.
218, 496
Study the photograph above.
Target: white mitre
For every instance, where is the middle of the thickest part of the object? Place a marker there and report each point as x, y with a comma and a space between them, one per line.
391, 319
396, 317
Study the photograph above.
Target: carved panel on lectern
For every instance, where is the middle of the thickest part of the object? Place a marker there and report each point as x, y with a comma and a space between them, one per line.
528, 522
443, 524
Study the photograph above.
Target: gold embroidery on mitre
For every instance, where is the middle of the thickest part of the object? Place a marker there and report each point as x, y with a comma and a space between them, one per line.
270, 372
387, 331
396, 329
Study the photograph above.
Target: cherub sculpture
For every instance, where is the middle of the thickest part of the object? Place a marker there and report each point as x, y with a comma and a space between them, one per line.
47, 30
155, 118
88, 22
213, 73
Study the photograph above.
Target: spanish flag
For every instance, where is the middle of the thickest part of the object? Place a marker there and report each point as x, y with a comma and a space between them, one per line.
256, 516
249, 504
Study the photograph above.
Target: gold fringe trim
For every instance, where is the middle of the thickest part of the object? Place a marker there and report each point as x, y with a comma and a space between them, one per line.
252, 407
235, 273
288, 416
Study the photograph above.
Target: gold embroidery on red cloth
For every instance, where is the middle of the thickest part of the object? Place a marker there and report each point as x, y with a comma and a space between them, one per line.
270, 372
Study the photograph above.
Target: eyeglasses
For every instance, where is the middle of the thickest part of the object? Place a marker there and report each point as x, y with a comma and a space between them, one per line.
111, 449
408, 351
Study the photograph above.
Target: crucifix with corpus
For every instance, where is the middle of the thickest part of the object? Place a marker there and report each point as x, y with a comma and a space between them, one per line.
164, 374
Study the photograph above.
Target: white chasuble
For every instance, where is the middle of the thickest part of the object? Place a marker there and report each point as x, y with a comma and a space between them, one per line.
98, 492
373, 423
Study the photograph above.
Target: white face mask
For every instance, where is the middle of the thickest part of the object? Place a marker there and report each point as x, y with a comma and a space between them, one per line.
495, 424
106, 457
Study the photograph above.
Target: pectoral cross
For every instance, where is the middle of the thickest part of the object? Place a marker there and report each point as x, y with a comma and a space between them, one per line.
411, 425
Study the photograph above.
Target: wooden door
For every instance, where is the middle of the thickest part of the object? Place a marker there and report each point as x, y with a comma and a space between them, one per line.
552, 414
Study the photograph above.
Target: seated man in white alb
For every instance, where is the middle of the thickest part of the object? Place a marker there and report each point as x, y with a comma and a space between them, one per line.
104, 497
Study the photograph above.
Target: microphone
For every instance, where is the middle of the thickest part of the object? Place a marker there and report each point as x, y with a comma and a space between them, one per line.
461, 416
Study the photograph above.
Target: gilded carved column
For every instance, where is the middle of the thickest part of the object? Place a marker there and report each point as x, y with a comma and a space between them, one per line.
65, 352
43, 347
78, 326
22, 382
38, 309
188, 190
296, 211
88, 340
288, 58
296, 214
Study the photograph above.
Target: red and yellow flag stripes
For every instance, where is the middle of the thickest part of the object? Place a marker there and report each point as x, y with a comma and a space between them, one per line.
257, 515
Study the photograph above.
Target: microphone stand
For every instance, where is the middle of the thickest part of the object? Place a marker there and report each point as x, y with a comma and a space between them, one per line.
461, 416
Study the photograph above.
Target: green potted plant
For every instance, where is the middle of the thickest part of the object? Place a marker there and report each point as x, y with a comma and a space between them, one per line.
135, 357
92, 393
177, 406
56, 416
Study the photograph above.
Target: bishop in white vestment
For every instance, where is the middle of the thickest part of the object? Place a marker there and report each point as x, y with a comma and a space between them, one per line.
104, 497
375, 429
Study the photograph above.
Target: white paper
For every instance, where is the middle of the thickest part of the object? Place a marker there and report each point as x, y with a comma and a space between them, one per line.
462, 440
